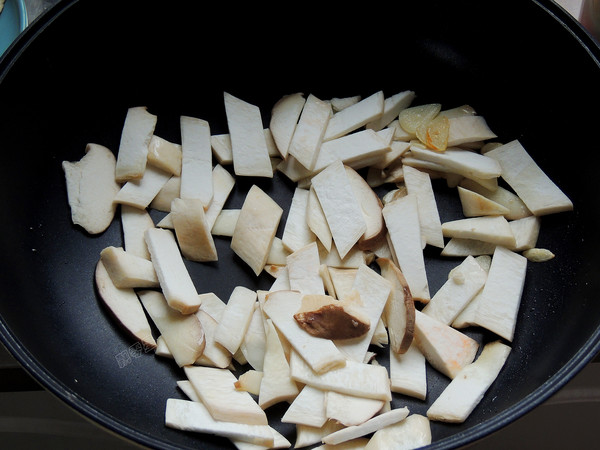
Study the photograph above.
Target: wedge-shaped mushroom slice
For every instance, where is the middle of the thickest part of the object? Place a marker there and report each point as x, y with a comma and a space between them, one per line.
248, 143
350, 410
174, 278
194, 416
355, 116
343, 280
255, 228
253, 346
284, 118
282, 282
500, 299
373, 292
307, 435
127, 270
397, 150
278, 253
125, 305
391, 109
303, 270
223, 183
225, 222
462, 161
91, 188
412, 432
249, 381
463, 283
220, 145
321, 354
325, 317
170, 191
340, 206
419, 184
474, 204
399, 311
500, 195
404, 233
468, 128
214, 354
354, 378
308, 135
541, 195
236, 317
296, 232
408, 372
216, 389
353, 259
308, 408
136, 134
446, 349
165, 155
141, 191
371, 207
213, 305
316, 220
492, 229
378, 422
276, 385
183, 334
465, 391
358, 150
339, 103
465, 247
192, 230
134, 223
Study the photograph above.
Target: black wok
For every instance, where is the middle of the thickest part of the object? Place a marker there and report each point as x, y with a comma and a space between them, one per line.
526, 66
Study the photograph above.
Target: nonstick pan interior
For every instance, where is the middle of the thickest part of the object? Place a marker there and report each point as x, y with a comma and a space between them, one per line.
529, 69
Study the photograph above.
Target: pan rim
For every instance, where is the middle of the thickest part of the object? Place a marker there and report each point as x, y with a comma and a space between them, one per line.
477, 432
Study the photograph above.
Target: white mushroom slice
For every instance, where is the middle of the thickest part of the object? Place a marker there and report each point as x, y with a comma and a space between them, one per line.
340, 206
223, 183
526, 231
220, 145
446, 349
541, 195
373, 291
235, 320
254, 344
212, 304
464, 393
419, 184
196, 166
339, 103
353, 259
216, 389
466, 247
174, 278
355, 116
193, 416
214, 354
350, 410
516, 207
192, 230
136, 134
284, 118
169, 192
125, 306
127, 270
343, 280
357, 150
307, 435
501, 296
165, 155
321, 354
408, 372
248, 143
308, 408
282, 282
140, 192
474, 204
91, 188
161, 347
249, 381
296, 232
255, 228
354, 378
397, 150
292, 169
225, 222
404, 232
410, 433
308, 135
492, 229
391, 108
278, 254
303, 270
134, 223
316, 221
468, 128
276, 385
464, 282
462, 161
370, 426
183, 334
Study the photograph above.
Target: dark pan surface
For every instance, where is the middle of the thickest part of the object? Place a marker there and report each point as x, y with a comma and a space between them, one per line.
525, 66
